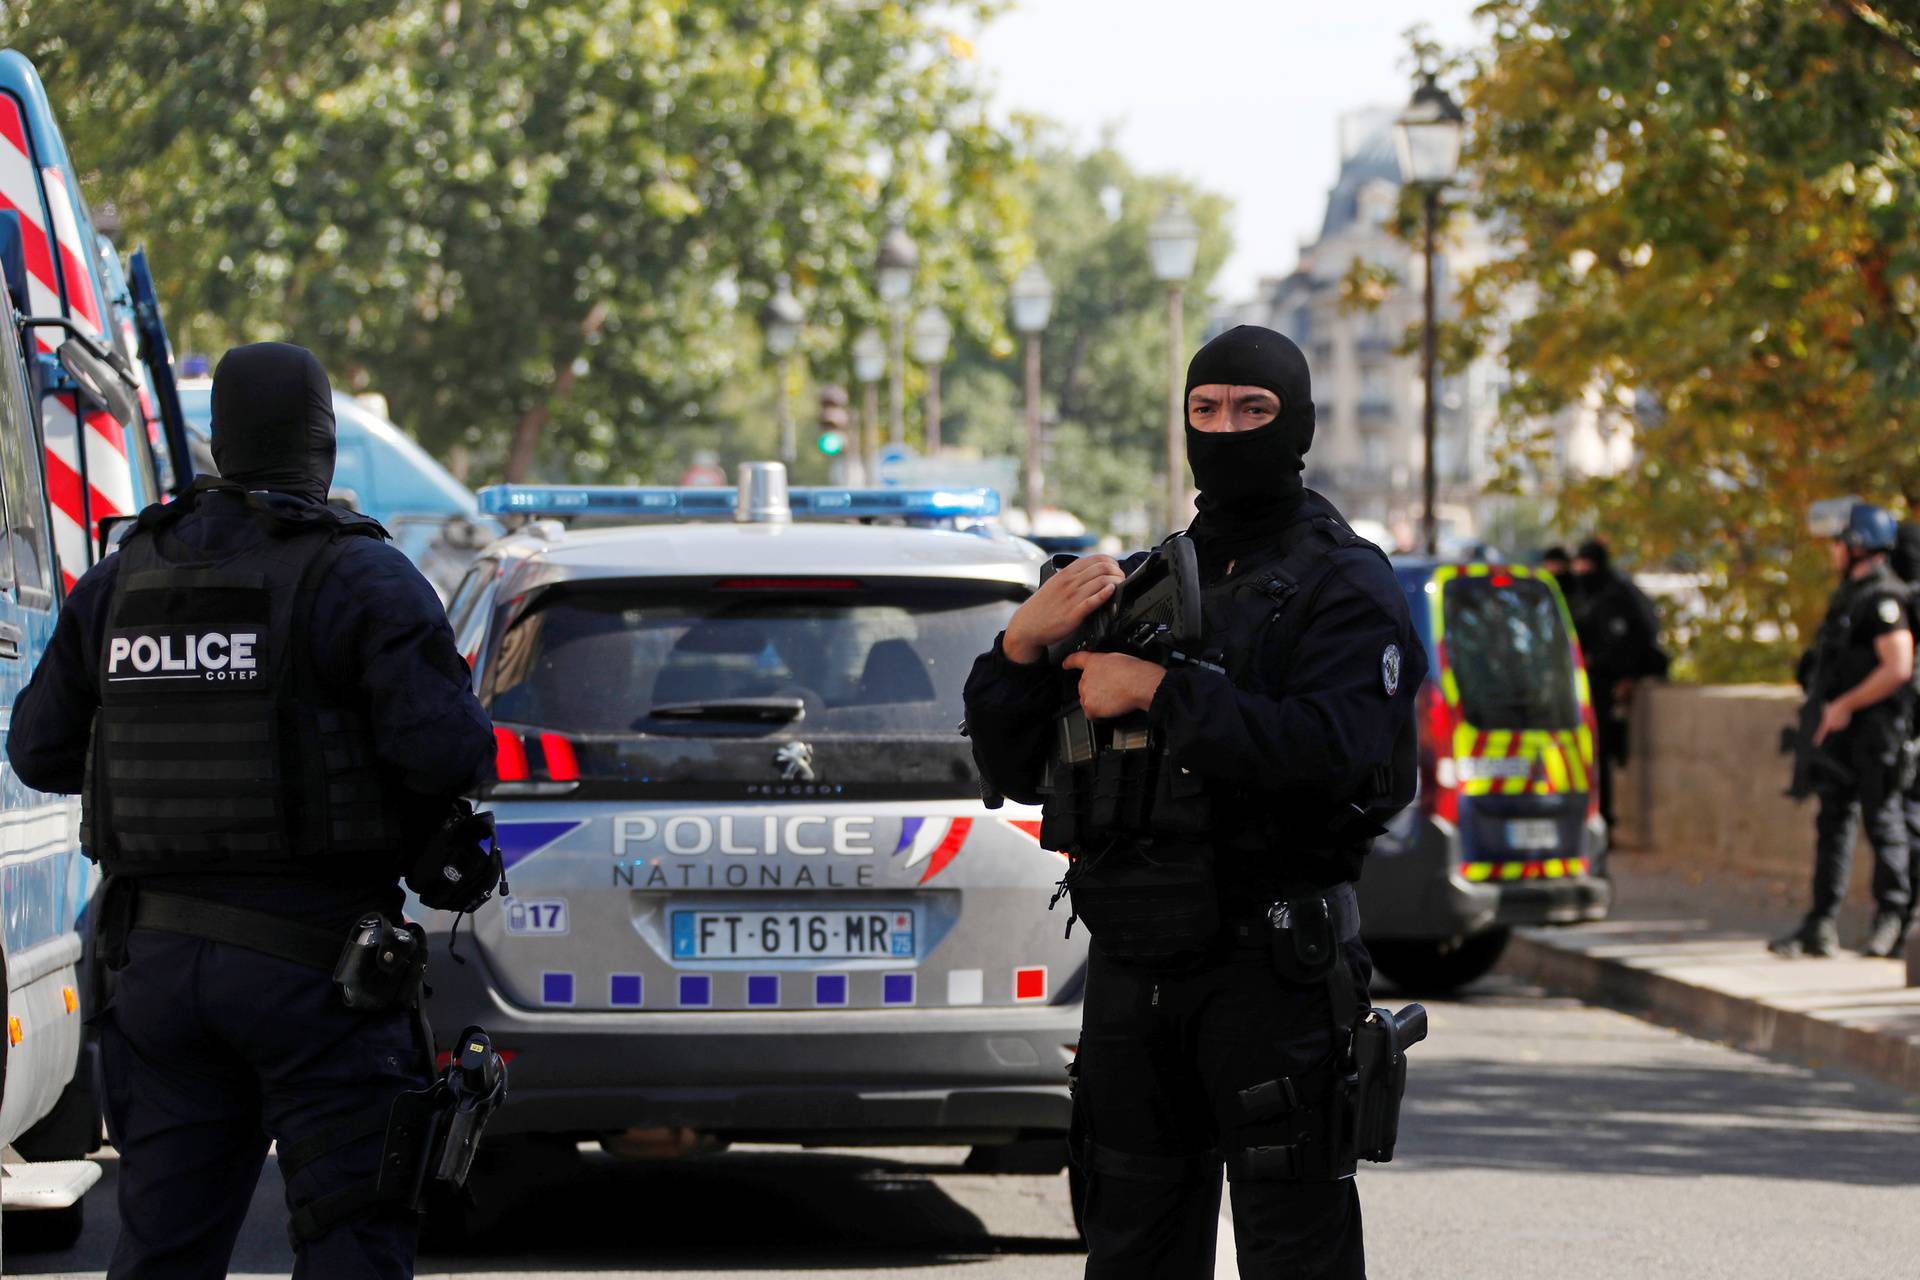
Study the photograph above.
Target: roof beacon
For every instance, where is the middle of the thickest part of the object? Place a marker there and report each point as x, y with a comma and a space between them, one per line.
763, 494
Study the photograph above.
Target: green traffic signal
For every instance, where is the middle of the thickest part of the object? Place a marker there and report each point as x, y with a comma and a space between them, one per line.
832, 443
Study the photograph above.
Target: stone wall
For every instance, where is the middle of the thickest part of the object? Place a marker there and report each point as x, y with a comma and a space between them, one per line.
1704, 781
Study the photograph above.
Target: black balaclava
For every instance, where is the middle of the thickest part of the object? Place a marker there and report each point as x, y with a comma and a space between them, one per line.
273, 420
1595, 553
1249, 481
1905, 560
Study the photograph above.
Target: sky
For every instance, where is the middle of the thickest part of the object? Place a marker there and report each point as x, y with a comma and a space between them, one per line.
1240, 96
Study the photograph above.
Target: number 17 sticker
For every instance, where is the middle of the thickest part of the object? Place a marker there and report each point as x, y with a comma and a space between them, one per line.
536, 917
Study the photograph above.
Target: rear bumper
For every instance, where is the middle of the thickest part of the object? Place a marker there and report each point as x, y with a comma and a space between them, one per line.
1414, 890
926, 1075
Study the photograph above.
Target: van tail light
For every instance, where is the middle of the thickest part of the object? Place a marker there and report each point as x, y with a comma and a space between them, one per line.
1439, 793
562, 764
509, 756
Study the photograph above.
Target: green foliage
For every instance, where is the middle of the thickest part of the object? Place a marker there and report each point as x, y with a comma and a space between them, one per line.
1711, 212
1104, 363
471, 205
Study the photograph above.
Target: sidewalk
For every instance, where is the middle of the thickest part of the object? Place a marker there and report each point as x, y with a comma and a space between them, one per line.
1691, 953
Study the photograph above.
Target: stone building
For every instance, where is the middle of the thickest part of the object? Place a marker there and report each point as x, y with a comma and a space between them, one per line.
1367, 453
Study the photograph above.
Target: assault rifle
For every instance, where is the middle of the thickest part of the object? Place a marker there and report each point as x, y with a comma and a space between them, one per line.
1811, 764
1155, 614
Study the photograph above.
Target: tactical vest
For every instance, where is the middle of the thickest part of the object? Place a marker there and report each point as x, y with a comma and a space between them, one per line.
215, 748
1842, 662
1114, 780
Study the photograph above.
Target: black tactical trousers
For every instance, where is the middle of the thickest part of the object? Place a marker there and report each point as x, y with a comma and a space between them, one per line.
1163, 1058
1871, 794
208, 1052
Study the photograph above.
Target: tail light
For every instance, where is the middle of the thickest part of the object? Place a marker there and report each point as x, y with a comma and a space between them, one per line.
512, 763
1439, 794
562, 764
509, 756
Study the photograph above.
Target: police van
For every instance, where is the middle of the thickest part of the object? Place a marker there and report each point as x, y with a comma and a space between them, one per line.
755, 893
1506, 829
89, 432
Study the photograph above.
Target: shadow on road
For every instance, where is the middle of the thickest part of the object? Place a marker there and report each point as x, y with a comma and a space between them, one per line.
741, 1211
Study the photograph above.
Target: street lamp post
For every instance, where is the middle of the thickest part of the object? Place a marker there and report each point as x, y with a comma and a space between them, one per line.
1427, 136
780, 320
1032, 303
898, 258
1173, 242
932, 332
869, 365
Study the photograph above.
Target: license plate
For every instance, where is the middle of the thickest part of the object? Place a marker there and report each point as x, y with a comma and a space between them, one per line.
832, 934
1533, 833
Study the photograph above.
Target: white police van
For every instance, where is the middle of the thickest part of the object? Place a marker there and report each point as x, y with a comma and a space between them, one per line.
755, 894
90, 430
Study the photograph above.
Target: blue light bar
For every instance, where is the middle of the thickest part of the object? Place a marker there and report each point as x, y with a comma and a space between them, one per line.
565, 501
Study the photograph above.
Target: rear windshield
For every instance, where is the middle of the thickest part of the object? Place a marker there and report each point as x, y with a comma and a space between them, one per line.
1509, 654
685, 686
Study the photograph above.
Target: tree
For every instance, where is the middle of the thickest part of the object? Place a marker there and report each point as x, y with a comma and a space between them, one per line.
1104, 365
1711, 221
547, 221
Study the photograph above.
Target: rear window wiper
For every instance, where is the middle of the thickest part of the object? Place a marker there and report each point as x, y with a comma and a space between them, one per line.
766, 710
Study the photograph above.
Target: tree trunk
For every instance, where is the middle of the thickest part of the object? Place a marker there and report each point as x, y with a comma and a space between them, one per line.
526, 434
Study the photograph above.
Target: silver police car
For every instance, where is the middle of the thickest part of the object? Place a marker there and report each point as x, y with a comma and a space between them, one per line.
755, 894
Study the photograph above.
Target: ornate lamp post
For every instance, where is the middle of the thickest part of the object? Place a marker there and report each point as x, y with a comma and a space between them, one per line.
932, 333
1427, 136
1032, 299
1173, 242
894, 276
780, 321
869, 366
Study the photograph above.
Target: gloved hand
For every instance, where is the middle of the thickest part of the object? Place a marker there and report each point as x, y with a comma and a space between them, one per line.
460, 865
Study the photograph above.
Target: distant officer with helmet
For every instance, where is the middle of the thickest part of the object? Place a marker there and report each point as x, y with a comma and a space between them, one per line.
1858, 674
1216, 807
261, 701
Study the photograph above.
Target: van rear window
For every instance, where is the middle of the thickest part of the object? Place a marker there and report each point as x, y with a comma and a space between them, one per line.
1509, 654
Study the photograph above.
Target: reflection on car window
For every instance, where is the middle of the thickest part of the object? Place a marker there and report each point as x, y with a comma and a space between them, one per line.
1510, 655
879, 660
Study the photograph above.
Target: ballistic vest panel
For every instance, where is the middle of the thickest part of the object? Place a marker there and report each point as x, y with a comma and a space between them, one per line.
215, 748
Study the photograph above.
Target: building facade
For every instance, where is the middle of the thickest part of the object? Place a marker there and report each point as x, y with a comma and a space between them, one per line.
1368, 448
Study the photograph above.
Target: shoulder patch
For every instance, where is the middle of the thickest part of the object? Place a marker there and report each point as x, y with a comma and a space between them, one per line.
1890, 611
1390, 669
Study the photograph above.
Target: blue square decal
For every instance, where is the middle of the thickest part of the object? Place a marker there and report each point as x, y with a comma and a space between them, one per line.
696, 991
623, 990
763, 989
829, 988
896, 988
556, 988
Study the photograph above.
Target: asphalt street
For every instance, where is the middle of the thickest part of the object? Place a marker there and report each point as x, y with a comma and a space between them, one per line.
1543, 1138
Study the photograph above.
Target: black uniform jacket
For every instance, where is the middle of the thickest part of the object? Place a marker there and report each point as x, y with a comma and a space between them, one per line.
1619, 634
1333, 721
381, 642
1860, 612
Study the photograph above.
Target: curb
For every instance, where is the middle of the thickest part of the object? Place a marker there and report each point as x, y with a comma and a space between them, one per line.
1705, 1013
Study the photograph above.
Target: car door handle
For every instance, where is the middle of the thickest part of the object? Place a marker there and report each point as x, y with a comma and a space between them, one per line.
9, 641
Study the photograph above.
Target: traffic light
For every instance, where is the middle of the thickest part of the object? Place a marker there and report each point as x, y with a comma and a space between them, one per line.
832, 440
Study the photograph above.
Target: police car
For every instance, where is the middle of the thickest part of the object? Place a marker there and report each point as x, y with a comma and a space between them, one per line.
755, 894
1506, 829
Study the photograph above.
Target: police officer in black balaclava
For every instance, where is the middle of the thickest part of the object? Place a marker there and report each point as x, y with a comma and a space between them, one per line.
1226, 971
261, 700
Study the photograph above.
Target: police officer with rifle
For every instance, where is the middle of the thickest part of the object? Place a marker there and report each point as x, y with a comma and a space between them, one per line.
1850, 747
1217, 732
261, 702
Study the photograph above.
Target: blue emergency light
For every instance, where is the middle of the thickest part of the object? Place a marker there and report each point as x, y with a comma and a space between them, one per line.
576, 501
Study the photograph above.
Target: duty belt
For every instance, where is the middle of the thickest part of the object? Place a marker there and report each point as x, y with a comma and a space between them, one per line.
1343, 909
254, 930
